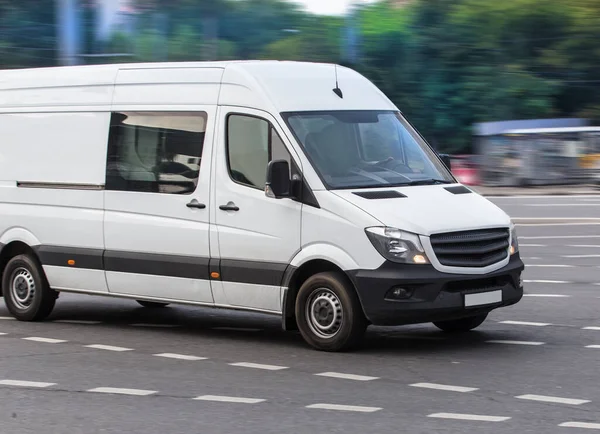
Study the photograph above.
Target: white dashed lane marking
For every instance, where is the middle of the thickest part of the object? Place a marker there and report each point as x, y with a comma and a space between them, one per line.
596, 347
583, 425
445, 387
259, 366
108, 348
2, 334
559, 282
121, 391
233, 399
591, 328
44, 340
526, 323
473, 417
346, 376
180, 356
553, 399
19, 383
508, 342
337, 407
7, 318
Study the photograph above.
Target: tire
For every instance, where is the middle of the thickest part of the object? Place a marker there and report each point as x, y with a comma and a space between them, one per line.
343, 323
27, 294
461, 325
152, 304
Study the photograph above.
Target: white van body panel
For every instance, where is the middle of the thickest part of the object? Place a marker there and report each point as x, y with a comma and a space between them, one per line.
335, 232
430, 209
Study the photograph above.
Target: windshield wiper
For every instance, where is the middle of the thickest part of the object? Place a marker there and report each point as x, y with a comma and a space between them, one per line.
428, 182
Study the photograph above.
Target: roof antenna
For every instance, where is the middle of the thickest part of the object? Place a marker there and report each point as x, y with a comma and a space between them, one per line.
337, 89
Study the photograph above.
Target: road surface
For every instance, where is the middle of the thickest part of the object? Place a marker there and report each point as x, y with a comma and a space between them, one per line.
110, 366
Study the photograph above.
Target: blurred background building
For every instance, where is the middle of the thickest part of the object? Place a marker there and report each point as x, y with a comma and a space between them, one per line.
459, 69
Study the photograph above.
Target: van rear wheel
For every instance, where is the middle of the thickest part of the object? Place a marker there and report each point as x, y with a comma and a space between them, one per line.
152, 304
461, 325
329, 314
27, 294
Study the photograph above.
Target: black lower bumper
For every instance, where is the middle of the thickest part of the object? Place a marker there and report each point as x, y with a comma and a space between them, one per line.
430, 295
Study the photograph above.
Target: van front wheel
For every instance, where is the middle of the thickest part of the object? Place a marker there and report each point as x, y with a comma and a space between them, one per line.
27, 295
461, 325
329, 314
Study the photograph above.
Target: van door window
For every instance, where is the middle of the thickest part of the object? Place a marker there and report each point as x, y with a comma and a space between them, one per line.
155, 152
252, 143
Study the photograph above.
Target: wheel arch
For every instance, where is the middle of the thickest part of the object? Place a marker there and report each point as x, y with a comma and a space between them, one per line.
295, 276
15, 247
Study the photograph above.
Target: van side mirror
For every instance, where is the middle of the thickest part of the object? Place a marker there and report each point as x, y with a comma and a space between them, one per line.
279, 184
446, 160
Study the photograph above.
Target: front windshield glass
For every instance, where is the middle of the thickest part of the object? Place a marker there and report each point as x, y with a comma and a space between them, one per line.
366, 149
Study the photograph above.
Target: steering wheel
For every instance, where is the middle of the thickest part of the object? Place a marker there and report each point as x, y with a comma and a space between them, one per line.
175, 168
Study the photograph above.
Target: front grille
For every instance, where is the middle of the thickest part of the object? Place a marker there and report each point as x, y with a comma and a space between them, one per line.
471, 248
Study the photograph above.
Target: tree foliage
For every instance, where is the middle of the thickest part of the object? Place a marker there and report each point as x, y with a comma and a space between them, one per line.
446, 63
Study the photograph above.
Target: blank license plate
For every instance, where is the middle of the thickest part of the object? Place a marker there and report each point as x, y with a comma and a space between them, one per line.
483, 298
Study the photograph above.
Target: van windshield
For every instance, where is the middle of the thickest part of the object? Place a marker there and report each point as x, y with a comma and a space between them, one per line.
366, 149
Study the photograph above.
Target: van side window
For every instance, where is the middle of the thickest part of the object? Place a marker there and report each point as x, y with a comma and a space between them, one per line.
251, 144
155, 152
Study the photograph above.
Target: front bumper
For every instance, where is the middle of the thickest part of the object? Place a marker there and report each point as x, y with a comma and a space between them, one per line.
435, 296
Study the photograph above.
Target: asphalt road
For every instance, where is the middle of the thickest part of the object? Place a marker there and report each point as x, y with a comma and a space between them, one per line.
109, 366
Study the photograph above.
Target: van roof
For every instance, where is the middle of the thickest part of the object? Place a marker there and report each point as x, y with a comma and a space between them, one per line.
263, 84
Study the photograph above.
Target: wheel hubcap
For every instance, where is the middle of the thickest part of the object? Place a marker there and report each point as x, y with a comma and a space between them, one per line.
324, 313
22, 288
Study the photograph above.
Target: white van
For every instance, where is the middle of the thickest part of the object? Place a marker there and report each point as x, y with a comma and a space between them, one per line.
294, 189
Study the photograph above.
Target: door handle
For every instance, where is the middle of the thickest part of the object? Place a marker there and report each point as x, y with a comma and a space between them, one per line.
229, 207
195, 204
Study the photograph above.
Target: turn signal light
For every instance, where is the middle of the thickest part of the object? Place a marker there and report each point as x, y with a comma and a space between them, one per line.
215, 275
71, 262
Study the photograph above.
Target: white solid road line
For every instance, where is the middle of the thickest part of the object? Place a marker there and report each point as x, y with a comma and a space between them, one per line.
445, 387
553, 399
180, 356
580, 256
475, 417
559, 282
259, 366
508, 342
550, 265
25, 383
45, 340
346, 376
547, 295
234, 399
526, 323
77, 321
355, 408
120, 391
591, 328
583, 425
107, 347
558, 237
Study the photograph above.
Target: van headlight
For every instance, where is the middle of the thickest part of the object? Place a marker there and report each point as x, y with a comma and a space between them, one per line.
397, 246
514, 240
